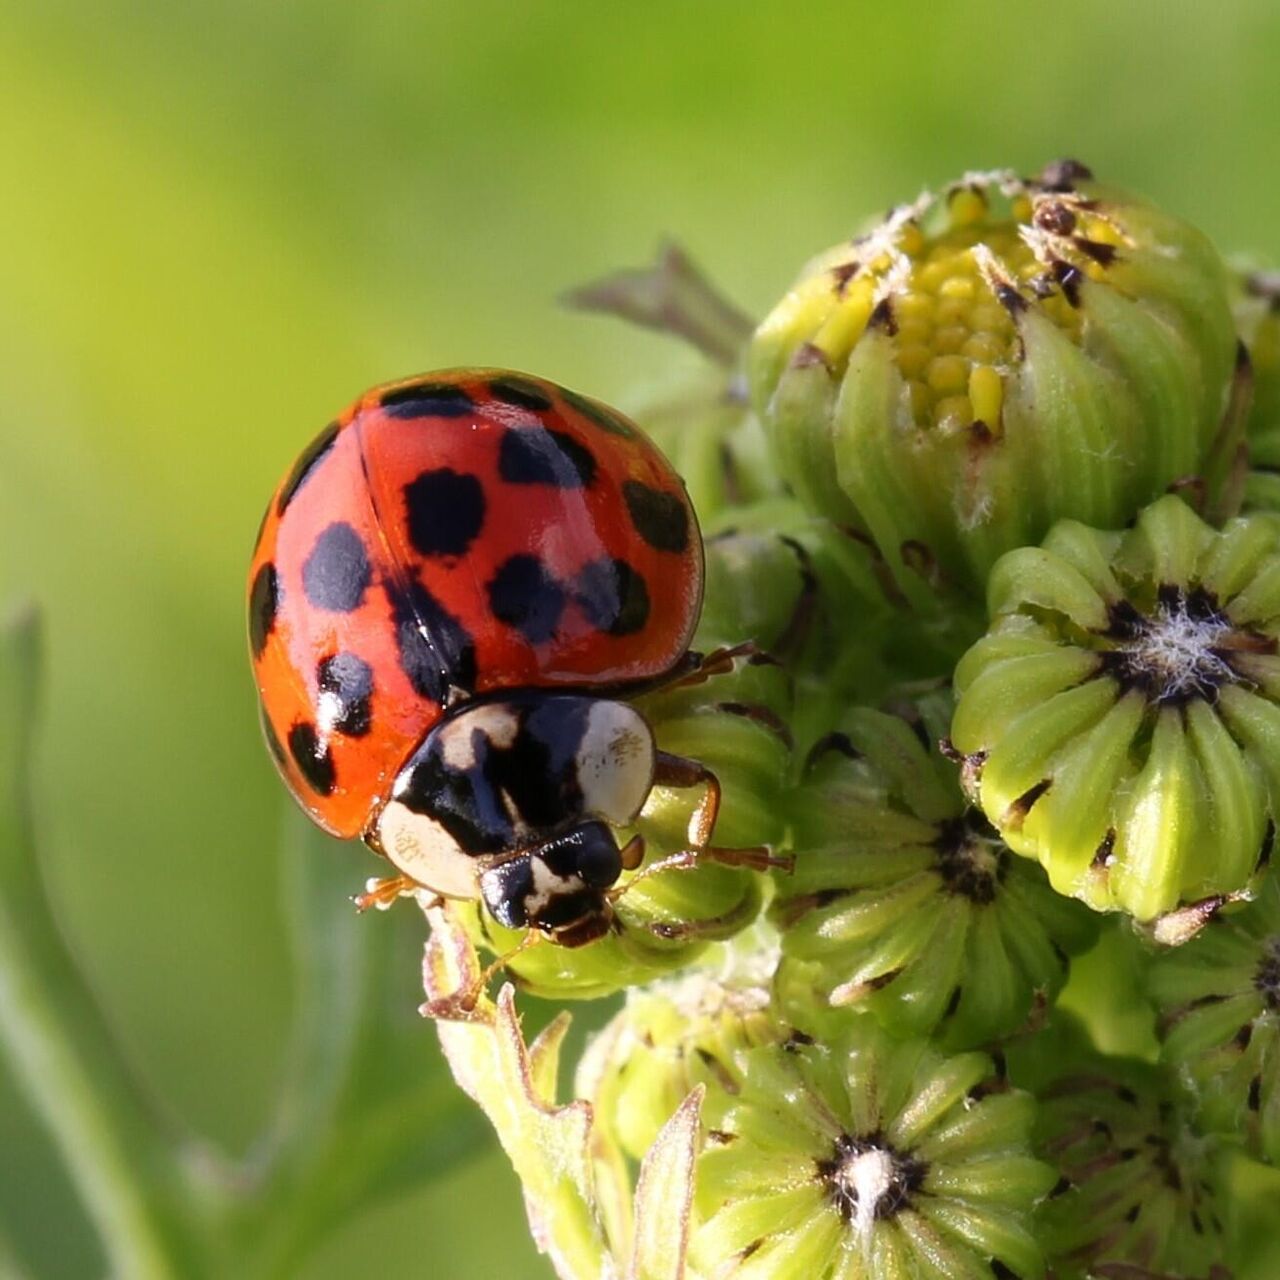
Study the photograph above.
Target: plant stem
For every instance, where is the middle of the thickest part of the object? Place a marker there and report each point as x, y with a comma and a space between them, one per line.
63, 1054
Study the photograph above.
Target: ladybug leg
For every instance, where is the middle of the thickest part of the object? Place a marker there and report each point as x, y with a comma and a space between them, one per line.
680, 771
460, 1006
718, 662
380, 894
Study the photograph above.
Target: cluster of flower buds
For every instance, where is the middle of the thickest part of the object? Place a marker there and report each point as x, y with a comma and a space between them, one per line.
992, 531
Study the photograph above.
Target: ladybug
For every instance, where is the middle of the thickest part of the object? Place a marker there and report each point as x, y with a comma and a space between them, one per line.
456, 589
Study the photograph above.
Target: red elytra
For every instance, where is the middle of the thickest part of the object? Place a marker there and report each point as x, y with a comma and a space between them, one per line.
453, 535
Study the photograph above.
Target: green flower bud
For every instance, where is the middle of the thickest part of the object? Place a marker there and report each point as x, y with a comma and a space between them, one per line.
1136, 1188
904, 901
668, 1039
1219, 998
1120, 720
983, 364
864, 1158
736, 724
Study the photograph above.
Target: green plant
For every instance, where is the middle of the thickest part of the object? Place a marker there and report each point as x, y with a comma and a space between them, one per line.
975, 487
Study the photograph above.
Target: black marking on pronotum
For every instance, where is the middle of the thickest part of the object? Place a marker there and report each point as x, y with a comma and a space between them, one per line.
437, 653
762, 716
660, 518
1017, 812
428, 400
1106, 849
520, 392
264, 604
336, 574
444, 511
306, 464
313, 759
882, 317
538, 455
525, 596
348, 680
600, 414
614, 596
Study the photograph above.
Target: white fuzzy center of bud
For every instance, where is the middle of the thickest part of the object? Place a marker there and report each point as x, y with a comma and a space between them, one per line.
865, 1179
1175, 652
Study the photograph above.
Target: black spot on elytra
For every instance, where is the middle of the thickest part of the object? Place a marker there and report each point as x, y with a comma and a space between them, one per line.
600, 414
613, 596
312, 758
521, 392
308, 460
660, 518
537, 455
428, 400
445, 510
525, 596
348, 680
336, 574
264, 604
437, 652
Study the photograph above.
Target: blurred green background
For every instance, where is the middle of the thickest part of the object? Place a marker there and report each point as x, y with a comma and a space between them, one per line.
222, 220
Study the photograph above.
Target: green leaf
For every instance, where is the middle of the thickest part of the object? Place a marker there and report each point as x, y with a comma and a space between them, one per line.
55, 1037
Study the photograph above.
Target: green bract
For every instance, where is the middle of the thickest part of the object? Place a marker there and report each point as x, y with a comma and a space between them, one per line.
1120, 719
1219, 998
904, 902
989, 361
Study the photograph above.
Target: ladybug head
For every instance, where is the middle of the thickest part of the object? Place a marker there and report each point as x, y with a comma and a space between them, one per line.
559, 887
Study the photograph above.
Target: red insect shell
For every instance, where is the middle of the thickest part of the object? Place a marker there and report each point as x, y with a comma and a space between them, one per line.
465, 532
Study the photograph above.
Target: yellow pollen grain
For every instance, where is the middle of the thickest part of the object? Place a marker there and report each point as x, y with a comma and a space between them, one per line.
958, 287
920, 400
948, 374
985, 348
950, 338
911, 239
913, 358
913, 328
986, 393
966, 207
912, 305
